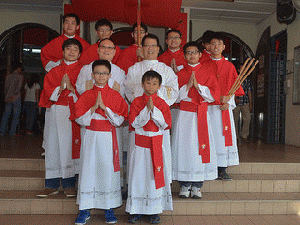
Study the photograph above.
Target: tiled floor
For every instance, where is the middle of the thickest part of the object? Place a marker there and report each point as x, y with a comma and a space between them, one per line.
174, 220
31, 147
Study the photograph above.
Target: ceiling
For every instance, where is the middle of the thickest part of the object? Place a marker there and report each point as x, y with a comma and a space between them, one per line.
242, 11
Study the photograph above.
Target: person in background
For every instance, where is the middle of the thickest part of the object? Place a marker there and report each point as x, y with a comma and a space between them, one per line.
32, 90
12, 93
244, 106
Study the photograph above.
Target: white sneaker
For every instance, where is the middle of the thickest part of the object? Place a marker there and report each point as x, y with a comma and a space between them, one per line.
196, 192
184, 191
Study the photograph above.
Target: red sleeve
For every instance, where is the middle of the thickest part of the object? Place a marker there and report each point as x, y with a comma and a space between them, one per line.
127, 58
86, 101
89, 55
165, 109
52, 51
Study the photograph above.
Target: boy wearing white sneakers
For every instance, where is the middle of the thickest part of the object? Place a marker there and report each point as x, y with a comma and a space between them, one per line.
193, 153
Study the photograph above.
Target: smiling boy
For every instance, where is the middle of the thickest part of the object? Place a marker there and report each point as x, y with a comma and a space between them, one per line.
149, 191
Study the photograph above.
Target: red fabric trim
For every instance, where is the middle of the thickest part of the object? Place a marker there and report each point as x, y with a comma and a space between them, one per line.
203, 137
227, 128
105, 125
155, 145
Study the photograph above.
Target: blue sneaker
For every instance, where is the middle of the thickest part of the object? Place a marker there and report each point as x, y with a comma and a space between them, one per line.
154, 219
110, 216
83, 216
134, 218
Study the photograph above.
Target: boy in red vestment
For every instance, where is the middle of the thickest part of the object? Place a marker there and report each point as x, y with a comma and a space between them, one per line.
193, 151
223, 121
61, 134
149, 191
104, 29
100, 109
129, 56
174, 56
206, 38
51, 54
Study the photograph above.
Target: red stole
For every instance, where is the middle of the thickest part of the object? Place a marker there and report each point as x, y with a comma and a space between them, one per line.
155, 142
53, 50
205, 76
111, 99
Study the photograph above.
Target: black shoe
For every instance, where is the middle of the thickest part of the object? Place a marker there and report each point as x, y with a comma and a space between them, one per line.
154, 219
224, 176
134, 218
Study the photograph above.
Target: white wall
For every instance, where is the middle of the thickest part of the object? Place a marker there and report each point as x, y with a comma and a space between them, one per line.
10, 19
292, 125
246, 32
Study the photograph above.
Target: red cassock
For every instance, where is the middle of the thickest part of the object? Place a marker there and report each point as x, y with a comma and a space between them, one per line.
226, 76
91, 54
205, 76
168, 56
52, 80
53, 50
128, 57
204, 57
155, 142
111, 99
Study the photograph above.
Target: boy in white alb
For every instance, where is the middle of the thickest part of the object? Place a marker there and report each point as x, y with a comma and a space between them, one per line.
149, 191
100, 110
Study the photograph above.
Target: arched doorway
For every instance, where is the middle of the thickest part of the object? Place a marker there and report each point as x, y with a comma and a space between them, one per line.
23, 43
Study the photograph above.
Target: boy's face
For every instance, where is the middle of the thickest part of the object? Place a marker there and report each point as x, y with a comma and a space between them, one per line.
106, 50
71, 53
216, 47
150, 49
192, 55
101, 75
135, 36
207, 46
173, 40
151, 86
104, 32
70, 26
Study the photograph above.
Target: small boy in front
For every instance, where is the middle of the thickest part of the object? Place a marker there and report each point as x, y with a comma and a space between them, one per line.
149, 191
100, 110
194, 158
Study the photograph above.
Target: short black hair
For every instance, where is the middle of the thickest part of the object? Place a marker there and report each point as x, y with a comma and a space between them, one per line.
207, 36
219, 36
151, 74
103, 22
194, 44
175, 31
104, 40
151, 36
101, 62
15, 65
72, 41
142, 26
72, 15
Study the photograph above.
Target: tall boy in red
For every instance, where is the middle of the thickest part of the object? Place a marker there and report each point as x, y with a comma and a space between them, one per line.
149, 190
61, 135
173, 56
223, 122
51, 54
104, 29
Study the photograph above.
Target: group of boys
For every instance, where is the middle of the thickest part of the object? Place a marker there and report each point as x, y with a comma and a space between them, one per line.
87, 110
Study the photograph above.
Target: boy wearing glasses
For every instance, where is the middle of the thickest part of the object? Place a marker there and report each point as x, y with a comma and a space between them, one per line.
104, 29
194, 157
174, 56
129, 55
100, 110
51, 54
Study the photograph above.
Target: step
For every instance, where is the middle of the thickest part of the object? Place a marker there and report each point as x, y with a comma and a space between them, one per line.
22, 164
26, 202
252, 183
265, 168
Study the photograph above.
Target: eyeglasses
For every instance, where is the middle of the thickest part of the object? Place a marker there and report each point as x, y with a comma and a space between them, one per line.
101, 73
192, 52
148, 46
104, 30
174, 38
107, 47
